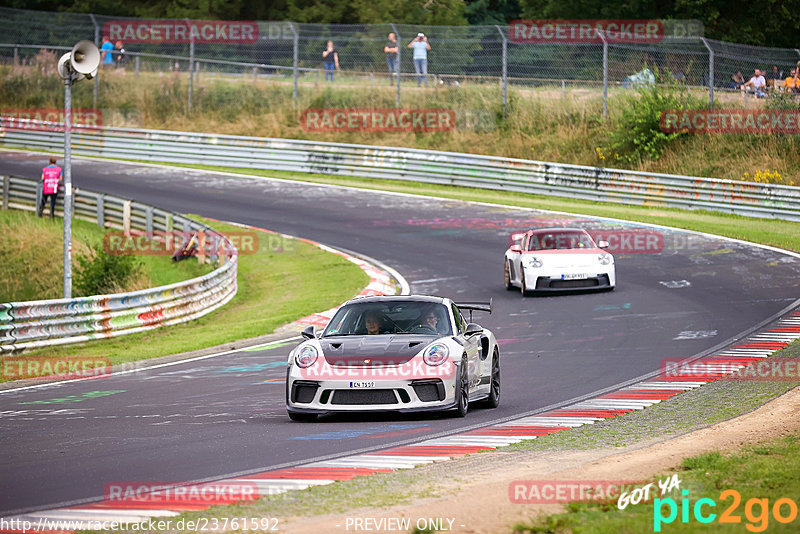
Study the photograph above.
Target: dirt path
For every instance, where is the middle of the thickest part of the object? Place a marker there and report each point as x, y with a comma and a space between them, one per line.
479, 502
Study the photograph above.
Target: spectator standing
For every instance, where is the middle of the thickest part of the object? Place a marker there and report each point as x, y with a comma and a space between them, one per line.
120, 59
391, 54
420, 46
757, 83
51, 178
330, 60
107, 53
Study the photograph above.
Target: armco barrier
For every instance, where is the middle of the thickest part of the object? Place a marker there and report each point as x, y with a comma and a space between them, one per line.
488, 172
41, 323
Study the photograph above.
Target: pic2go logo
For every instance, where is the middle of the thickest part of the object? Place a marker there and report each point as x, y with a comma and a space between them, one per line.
756, 511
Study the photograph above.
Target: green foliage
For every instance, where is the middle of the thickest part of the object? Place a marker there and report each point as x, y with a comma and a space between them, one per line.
786, 101
758, 23
637, 133
100, 272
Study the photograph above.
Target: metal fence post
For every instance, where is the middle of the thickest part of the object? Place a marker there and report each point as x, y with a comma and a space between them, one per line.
399, 59
710, 72
97, 43
148, 221
101, 210
605, 74
295, 59
137, 66
126, 217
505, 68
6, 184
191, 62
16, 56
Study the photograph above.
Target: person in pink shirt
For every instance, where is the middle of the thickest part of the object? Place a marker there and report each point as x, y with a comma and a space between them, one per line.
51, 178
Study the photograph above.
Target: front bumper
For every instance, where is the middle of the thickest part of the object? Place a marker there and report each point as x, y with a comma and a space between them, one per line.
540, 280
305, 395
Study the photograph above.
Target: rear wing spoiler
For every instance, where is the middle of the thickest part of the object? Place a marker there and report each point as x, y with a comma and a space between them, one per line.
475, 306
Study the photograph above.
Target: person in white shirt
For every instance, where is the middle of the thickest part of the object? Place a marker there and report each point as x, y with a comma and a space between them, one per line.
757, 84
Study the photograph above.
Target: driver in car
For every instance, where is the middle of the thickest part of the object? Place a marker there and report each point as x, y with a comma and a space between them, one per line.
431, 319
373, 322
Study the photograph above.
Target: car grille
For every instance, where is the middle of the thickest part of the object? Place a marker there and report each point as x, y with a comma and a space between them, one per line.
555, 283
364, 396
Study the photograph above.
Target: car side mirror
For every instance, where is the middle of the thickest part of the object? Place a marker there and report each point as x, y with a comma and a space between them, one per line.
473, 329
310, 332
602, 244
517, 249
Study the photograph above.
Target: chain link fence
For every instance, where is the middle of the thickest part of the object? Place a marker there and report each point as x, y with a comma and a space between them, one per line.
292, 53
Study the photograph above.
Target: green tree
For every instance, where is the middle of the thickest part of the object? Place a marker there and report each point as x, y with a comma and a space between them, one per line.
479, 12
422, 12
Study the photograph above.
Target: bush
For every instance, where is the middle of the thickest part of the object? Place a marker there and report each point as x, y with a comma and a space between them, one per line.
100, 272
637, 133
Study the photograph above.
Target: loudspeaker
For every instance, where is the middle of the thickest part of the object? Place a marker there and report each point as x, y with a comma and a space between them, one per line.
64, 67
85, 58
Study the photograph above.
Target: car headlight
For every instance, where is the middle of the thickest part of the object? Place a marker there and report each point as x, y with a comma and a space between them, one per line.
436, 354
606, 259
533, 261
306, 356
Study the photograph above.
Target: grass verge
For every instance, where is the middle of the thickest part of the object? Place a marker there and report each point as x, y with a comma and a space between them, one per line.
746, 485
277, 284
32, 252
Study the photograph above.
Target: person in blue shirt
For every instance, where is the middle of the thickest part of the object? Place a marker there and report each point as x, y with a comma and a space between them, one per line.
107, 52
420, 47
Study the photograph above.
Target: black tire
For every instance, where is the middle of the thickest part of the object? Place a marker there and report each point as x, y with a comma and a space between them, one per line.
493, 400
302, 417
522, 283
462, 392
507, 277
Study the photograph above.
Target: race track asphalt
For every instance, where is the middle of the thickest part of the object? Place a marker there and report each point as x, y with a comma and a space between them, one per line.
223, 415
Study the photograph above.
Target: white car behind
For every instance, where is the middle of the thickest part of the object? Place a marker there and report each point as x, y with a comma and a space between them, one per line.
558, 259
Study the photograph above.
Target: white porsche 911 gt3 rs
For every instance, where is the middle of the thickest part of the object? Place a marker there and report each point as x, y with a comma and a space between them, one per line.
394, 353
558, 259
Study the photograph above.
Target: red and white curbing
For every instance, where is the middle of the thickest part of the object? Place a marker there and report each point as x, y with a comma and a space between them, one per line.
607, 406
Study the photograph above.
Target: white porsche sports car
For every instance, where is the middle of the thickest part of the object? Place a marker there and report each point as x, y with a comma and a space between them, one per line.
394, 353
558, 259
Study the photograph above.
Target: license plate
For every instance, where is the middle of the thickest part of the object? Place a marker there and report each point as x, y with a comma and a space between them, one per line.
362, 384
574, 276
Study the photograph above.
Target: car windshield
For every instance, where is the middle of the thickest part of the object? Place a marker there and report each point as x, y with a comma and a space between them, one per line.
560, 241
390, 317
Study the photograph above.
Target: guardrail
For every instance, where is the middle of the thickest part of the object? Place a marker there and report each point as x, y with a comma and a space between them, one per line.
41, 323
429, 166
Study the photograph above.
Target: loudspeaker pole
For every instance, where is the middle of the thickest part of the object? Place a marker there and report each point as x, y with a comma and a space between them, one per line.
82, 61
68, 187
